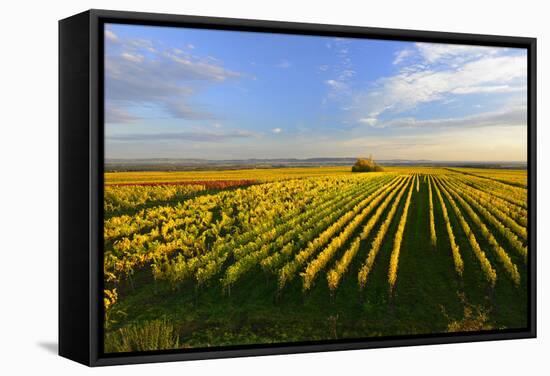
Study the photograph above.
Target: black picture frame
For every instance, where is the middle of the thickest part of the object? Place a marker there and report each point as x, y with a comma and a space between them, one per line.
81, 184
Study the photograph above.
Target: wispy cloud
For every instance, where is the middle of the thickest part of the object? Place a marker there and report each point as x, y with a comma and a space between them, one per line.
369, 121
139, 44
283, 64
342, 72
181, 136
141, 73
118, 115
276, 130
134, 58
444, 73
401, 55
454, 53
110, 36
515, 116
323, 68
336, 85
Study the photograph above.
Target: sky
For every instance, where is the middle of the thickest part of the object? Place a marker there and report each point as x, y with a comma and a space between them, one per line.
195, 93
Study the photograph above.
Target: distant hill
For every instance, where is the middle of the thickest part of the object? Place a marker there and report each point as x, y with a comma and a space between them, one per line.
190, 164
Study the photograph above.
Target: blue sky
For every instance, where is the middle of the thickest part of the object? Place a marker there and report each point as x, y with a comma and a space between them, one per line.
190, 93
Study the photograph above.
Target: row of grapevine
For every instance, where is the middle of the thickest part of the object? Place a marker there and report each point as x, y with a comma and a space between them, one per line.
502, 191
513, 181
367, 266
210, 264
289, 270
502, 256
498, 209
516, 178
489, 272
317, 264
241, 205
304, 232
183, 229
398, 239
302, 227
433, 235
309, 223
457, 259
484, 208
335, 274
129, 197
256, 175
286, 226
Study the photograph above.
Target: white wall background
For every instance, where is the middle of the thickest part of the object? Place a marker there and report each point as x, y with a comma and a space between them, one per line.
28, 185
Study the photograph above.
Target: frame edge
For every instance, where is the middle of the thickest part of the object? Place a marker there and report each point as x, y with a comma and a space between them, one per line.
93, 20
74, 218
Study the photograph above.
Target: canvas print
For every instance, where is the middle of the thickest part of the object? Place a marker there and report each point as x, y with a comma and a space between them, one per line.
265, 188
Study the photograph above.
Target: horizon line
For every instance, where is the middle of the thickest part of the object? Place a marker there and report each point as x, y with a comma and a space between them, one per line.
312, 158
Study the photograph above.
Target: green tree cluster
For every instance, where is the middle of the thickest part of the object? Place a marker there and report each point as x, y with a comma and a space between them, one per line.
366, 165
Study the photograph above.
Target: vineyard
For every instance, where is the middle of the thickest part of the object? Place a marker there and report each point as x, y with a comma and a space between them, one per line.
294, 254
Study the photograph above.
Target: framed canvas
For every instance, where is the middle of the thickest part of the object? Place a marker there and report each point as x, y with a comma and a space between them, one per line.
235, 187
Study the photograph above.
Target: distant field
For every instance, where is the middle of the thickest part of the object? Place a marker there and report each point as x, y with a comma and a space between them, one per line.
512, 177
294, 254
260, 174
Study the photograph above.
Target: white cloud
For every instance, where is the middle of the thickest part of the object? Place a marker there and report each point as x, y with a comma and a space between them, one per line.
134, 58
342, 71
489, 89
141, 74
182, 136
140, 44
335, 84
114, 114
402, 55
110, 36
371, 121
276, 130
284, 64
198, 68
506, 117
435, 52
346, 74
414, 86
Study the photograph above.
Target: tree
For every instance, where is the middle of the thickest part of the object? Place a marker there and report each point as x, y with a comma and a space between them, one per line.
366, 165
